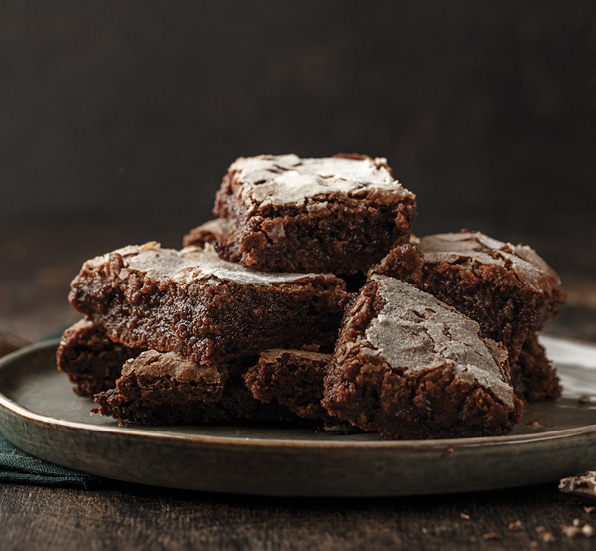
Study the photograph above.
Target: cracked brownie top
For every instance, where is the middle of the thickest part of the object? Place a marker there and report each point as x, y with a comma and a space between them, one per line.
290, 180
414, 331
188, 265
466, 248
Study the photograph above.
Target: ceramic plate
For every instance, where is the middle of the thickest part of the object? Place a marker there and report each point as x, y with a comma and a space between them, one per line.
40, 414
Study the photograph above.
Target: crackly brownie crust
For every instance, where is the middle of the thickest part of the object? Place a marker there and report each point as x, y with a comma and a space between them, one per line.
195, 304
293, 378
410, 366
208, 233
165, 389
506, 288
340, 214
532, 375
91, 360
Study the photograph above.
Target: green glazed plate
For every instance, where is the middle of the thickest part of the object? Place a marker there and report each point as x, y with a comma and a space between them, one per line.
40, 414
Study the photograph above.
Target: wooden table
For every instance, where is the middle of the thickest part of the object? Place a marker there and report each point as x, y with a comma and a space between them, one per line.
40, 257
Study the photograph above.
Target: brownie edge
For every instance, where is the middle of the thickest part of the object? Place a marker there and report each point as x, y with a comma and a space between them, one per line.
90, 358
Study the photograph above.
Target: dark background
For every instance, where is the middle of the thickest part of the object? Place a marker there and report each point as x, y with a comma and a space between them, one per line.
119, 119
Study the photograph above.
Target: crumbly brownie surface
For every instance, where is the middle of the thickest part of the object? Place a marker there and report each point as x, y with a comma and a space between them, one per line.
339, 214
410, 366
194, 304
209, 232
293, 378
91, 360
506, 288
165, 389
533, 377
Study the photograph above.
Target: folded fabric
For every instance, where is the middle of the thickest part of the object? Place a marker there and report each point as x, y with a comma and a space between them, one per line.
20, 467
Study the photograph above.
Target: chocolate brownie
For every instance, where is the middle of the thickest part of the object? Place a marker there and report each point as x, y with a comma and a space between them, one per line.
506, 288
293, 378
159, 388
91, 360
209, 232
339, 214
197, 305
533, 377
410, 366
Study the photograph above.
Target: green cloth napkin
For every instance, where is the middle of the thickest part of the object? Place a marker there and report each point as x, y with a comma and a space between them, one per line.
20, 467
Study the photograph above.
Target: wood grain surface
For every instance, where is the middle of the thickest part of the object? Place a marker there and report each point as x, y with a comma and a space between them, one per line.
137, 517
42, 256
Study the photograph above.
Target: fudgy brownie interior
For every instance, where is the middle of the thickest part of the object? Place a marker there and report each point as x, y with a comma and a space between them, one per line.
293, 378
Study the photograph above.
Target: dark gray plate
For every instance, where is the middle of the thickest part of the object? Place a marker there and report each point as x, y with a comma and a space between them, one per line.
40, 414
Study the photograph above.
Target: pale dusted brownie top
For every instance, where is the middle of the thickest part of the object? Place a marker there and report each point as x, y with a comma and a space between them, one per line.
414, 331
290, 180
188, 265
475, 247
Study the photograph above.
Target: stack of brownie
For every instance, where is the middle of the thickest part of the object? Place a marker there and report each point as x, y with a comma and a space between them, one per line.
308, 301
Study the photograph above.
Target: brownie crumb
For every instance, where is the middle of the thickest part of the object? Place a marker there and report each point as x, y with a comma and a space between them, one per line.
464, 516
583, 485
516, 526
448, 452
545, 535
577, 529
492, 536
570, 531
584, 399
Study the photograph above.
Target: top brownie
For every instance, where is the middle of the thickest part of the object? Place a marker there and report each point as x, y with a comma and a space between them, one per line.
195, 304
339, 214
508, 289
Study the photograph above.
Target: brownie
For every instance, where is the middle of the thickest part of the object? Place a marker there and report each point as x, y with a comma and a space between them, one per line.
410, 366
197, 305
338, 214
533, 377
508, 289
159, 388
293, 378
91, 360
209, 232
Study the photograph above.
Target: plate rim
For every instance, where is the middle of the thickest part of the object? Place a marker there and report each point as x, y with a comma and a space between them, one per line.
17, 409
280, 466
